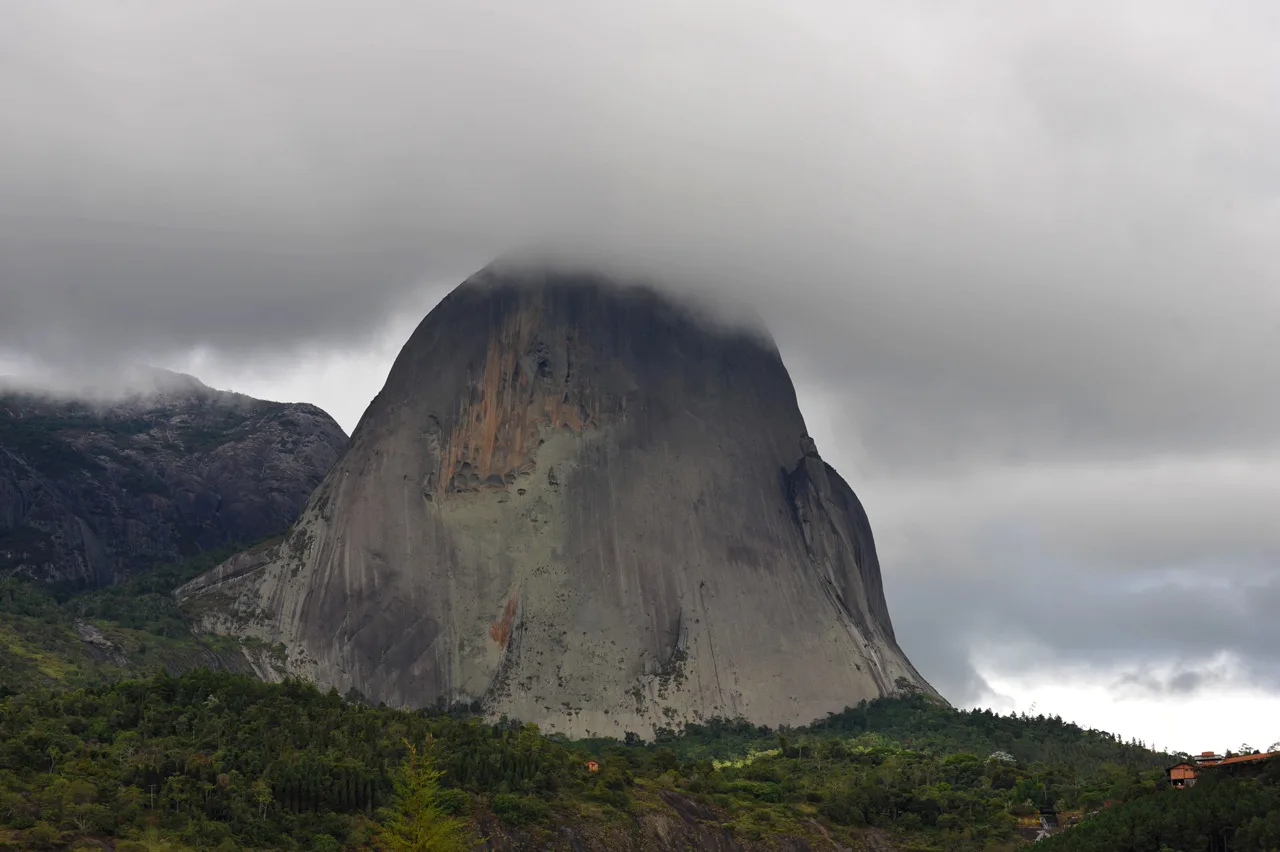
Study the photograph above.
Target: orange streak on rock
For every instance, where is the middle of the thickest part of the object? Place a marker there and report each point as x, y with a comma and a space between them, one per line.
500, 631
500, 420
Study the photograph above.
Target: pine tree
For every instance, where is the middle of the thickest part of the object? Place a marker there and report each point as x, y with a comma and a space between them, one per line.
415, 822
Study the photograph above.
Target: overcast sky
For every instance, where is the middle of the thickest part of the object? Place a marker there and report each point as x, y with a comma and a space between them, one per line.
1023, 260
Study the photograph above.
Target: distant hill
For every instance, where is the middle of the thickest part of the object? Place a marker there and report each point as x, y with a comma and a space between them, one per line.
94, 491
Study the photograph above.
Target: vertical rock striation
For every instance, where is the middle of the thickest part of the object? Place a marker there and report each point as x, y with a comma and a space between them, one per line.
582, 506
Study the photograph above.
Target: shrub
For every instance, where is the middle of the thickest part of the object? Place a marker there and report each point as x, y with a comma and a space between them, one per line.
517, 810
42, 835
325, 843
454, 802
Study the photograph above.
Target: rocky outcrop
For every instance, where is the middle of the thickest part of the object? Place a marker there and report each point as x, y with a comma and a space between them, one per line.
91, 492
582, 506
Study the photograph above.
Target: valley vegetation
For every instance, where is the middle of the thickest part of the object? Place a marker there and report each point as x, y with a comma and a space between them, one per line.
116, 752
220, 760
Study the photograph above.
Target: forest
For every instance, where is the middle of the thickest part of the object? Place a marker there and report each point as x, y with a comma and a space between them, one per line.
1221, 813
142, 747
220, 760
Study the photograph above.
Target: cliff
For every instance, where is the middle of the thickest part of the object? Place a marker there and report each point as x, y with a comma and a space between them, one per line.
578, 504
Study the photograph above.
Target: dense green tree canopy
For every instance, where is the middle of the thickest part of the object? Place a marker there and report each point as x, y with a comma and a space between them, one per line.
216, 759
115, 748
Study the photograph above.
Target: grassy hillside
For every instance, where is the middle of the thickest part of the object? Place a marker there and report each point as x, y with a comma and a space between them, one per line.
55, 638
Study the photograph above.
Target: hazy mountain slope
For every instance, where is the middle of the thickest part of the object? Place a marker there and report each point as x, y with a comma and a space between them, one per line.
91, 492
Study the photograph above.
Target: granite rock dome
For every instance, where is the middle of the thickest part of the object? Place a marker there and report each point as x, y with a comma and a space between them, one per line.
581, 505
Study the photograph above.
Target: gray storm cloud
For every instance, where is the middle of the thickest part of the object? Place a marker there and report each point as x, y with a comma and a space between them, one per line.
998, 234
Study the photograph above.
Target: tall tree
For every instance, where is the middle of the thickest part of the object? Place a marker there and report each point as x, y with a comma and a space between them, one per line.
415, 820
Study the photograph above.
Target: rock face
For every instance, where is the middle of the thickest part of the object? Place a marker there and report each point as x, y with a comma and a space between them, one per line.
579, 506
91, 492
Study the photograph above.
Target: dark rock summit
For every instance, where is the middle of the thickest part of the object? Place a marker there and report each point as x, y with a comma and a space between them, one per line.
91, 492
581, 506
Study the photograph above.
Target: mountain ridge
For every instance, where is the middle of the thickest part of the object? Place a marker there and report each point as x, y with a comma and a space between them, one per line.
578, 504
93, 491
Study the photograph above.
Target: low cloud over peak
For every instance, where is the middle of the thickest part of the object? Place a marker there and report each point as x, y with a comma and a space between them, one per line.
1054, 222
109, 384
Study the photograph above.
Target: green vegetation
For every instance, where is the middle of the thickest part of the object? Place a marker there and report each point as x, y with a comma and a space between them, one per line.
45, 434
61, 438
137, 627
44, 442
146, 602
929, 727
421, 818
222, 760
100, 743
905, 765
219, 760
1221, 812
210, 434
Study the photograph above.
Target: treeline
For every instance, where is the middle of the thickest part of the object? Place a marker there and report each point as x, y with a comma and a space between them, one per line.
929, 726
222, 760
218, 760
1221, 813
942, 798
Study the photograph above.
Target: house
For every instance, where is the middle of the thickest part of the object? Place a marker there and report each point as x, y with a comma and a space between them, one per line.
1181, 775
1246, 761
593, 766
